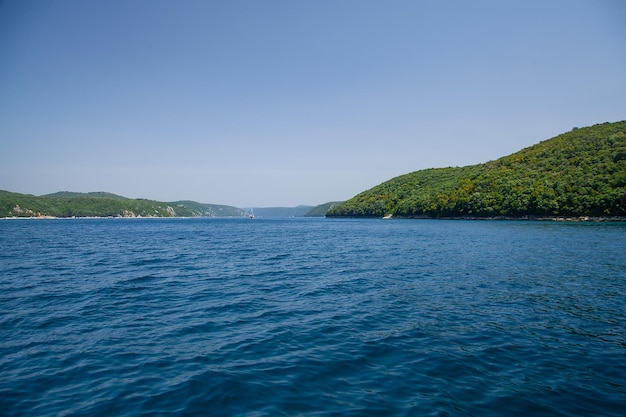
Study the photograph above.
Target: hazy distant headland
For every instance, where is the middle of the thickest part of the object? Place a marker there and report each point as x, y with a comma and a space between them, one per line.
576, 175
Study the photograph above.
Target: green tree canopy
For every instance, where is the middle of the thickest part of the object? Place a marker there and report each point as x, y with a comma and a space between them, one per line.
579, 173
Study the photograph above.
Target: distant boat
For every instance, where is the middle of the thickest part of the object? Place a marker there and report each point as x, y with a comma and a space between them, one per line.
387, 217
251, 215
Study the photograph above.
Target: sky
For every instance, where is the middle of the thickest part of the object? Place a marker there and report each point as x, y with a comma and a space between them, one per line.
256, 103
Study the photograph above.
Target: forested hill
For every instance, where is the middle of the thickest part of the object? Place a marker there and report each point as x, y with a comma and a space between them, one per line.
100, 204
578, 173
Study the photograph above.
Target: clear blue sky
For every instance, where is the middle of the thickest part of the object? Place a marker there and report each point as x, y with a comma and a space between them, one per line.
287, 102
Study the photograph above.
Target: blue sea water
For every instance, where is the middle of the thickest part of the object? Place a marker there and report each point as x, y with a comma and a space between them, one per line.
312, 317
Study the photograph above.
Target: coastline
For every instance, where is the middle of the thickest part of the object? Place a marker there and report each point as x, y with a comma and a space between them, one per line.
528, 218
569, 219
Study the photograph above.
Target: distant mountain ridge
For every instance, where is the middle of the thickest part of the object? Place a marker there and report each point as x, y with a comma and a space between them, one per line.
578, 173
103, 204
298, 211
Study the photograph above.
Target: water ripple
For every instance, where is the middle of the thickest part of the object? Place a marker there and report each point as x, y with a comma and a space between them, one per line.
311, 317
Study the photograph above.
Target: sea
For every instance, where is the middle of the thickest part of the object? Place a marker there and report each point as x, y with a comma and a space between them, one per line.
312, 317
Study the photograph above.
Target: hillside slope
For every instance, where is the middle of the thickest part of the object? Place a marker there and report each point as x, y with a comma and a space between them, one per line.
101, 204
578, 173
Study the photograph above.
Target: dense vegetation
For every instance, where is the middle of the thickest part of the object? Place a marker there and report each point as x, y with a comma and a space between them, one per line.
99, 204
579, 173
